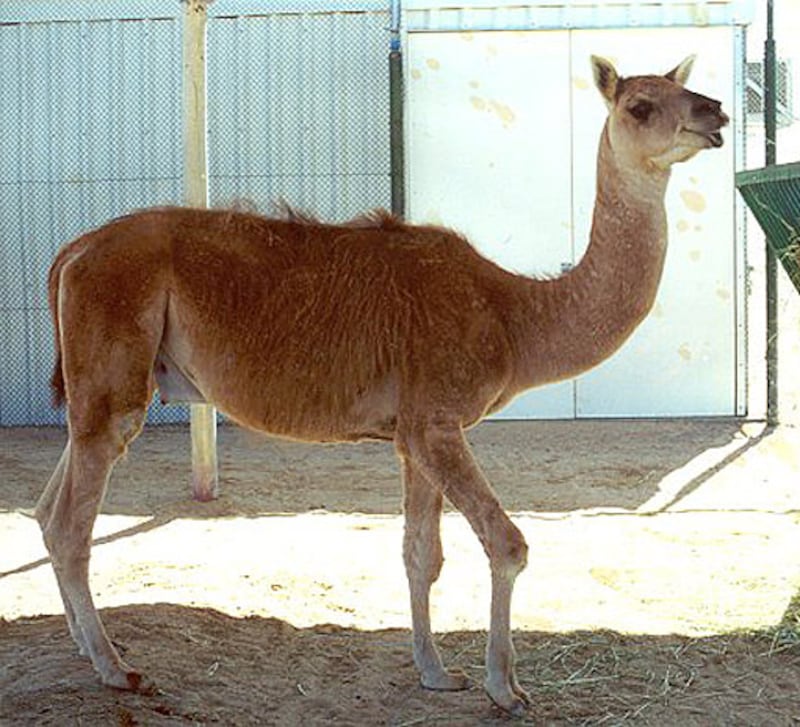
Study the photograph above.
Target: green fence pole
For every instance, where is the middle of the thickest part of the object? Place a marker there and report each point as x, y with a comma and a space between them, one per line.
396, 118
770, 125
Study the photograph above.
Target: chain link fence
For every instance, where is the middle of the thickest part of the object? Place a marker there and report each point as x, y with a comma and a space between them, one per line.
90, 128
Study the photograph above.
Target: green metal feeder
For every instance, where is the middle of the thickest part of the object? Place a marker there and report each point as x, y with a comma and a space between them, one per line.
773, 196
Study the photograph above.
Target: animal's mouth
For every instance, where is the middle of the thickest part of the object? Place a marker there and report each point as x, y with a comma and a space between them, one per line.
714, 138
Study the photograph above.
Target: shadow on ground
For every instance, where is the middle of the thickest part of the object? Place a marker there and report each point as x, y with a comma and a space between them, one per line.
210, 668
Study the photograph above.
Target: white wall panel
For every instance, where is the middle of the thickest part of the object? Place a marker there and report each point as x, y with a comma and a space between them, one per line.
488, 154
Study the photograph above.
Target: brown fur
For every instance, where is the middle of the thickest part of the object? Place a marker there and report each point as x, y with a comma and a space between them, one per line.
368, 329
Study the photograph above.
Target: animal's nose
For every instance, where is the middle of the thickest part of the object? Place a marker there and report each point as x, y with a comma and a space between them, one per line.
707, 107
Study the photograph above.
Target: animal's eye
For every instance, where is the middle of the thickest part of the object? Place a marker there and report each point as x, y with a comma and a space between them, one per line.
641, 110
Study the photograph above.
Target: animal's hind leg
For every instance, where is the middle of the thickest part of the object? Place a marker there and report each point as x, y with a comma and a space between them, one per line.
44, 510
67, 512
110, 310
422, 553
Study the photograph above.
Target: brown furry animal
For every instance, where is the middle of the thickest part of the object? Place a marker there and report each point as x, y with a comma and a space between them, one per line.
373, 329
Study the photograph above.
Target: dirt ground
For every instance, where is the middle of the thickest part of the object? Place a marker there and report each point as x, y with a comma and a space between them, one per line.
662, 587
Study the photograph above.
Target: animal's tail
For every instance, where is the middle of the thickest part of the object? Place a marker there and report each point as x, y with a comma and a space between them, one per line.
57, 385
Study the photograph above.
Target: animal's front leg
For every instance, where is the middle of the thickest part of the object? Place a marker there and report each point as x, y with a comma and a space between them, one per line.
501, 678
422, 553
445, 459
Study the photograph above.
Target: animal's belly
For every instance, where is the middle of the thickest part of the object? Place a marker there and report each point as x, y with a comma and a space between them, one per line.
299, 407
311, 419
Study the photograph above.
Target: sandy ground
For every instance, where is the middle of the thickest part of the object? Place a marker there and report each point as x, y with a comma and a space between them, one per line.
662, 585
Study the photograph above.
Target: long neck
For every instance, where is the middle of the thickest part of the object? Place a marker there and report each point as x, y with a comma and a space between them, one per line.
571, 323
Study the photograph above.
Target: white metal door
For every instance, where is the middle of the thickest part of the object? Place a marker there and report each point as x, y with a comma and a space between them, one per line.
502, 137
488, 154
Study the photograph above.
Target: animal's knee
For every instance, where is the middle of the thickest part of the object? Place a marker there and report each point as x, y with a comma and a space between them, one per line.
426, 559
512, 556
128, 426
518, 552
107, 438
68, 550
435, 564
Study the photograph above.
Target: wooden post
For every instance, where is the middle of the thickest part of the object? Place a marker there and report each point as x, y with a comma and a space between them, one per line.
195, 180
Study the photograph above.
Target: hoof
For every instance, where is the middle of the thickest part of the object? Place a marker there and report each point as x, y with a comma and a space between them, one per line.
513, 701
518, 709
134, 681
129, 681
447, 681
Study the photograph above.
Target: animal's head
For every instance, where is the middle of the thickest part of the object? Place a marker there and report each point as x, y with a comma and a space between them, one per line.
654, 119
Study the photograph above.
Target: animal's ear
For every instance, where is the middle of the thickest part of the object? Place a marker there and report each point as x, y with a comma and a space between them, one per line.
680, 74
606, 78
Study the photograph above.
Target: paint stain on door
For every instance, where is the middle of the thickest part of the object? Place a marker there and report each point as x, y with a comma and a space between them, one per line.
478, 103
504, 112
695, 201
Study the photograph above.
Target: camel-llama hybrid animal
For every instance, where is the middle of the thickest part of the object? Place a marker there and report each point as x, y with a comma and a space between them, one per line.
373, 329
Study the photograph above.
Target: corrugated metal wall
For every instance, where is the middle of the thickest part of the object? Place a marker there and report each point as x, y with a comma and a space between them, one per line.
90, 128
298, 109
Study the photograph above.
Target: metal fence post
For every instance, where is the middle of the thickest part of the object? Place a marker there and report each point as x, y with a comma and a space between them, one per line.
195, 170
396, 113
770, 124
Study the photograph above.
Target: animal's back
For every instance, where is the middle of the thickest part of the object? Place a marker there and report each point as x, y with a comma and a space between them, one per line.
320, 326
